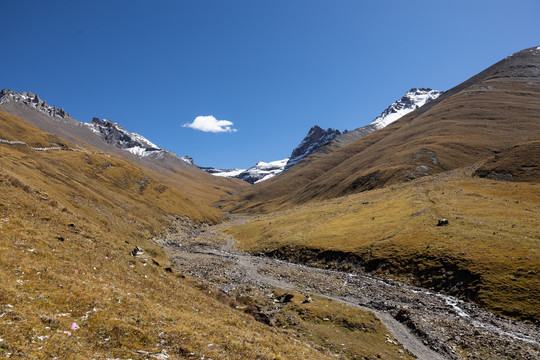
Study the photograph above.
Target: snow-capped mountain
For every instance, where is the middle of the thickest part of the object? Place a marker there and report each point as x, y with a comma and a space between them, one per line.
230, 173
113, 133
315, 138
32, 100
411, 101
262, 171
257, 173
116, 135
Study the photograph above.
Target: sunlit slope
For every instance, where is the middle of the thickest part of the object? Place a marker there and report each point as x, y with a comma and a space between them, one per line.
77, 178
488, 114
69, 287
489, 252
169, 169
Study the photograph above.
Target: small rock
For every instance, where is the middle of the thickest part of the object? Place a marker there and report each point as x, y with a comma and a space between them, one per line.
443, 222
136, 252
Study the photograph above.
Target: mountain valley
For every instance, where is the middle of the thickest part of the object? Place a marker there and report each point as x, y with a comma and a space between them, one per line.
416, 236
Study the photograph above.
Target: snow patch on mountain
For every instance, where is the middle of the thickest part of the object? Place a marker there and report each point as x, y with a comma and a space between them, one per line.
411, 101
109, 131
265, 170
229, 173
255, 174
138, 145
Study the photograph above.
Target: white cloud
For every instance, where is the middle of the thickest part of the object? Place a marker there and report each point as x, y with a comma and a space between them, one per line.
210, 124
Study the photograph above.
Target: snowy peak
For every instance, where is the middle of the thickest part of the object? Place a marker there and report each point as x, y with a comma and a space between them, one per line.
411, 101
263, 171
115, 134
257, 173
109, 131
315, 138
229, 173
32, 100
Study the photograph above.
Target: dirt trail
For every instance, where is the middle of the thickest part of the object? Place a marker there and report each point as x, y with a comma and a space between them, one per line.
431, 326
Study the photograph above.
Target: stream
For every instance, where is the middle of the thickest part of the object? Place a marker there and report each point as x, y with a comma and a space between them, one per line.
429, 325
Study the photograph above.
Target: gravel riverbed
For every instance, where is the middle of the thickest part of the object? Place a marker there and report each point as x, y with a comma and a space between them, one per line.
429, 325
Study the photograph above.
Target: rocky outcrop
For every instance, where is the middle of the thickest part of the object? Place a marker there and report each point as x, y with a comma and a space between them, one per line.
315, 138
32, 100
115, 134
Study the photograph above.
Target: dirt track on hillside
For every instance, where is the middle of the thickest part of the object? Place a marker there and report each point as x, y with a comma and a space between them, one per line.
429, 325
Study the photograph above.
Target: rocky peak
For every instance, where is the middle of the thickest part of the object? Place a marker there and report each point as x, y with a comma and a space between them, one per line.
116, 135
315, 138
524, 64
32, 100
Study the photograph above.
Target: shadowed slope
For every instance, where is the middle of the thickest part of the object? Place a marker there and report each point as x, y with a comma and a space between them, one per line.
518, 163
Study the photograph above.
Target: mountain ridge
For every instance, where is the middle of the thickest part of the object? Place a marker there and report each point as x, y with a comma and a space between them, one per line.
317, 137
413, 99
463, 126
115, 134
111, 132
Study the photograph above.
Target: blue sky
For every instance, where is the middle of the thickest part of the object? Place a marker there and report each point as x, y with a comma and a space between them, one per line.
271, 68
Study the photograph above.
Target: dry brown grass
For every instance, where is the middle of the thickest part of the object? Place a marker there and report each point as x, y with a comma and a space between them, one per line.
68, 221
122, 304
348, 332
491, 244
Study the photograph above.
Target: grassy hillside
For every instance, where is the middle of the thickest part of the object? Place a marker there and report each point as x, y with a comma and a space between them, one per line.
518, 163
68, 221
479, 119
70, 289
169, 169
489, 253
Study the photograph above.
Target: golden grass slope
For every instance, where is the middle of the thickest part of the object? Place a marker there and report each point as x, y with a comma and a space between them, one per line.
125, 307
518, 163
489, 253
94, 183
169, 169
